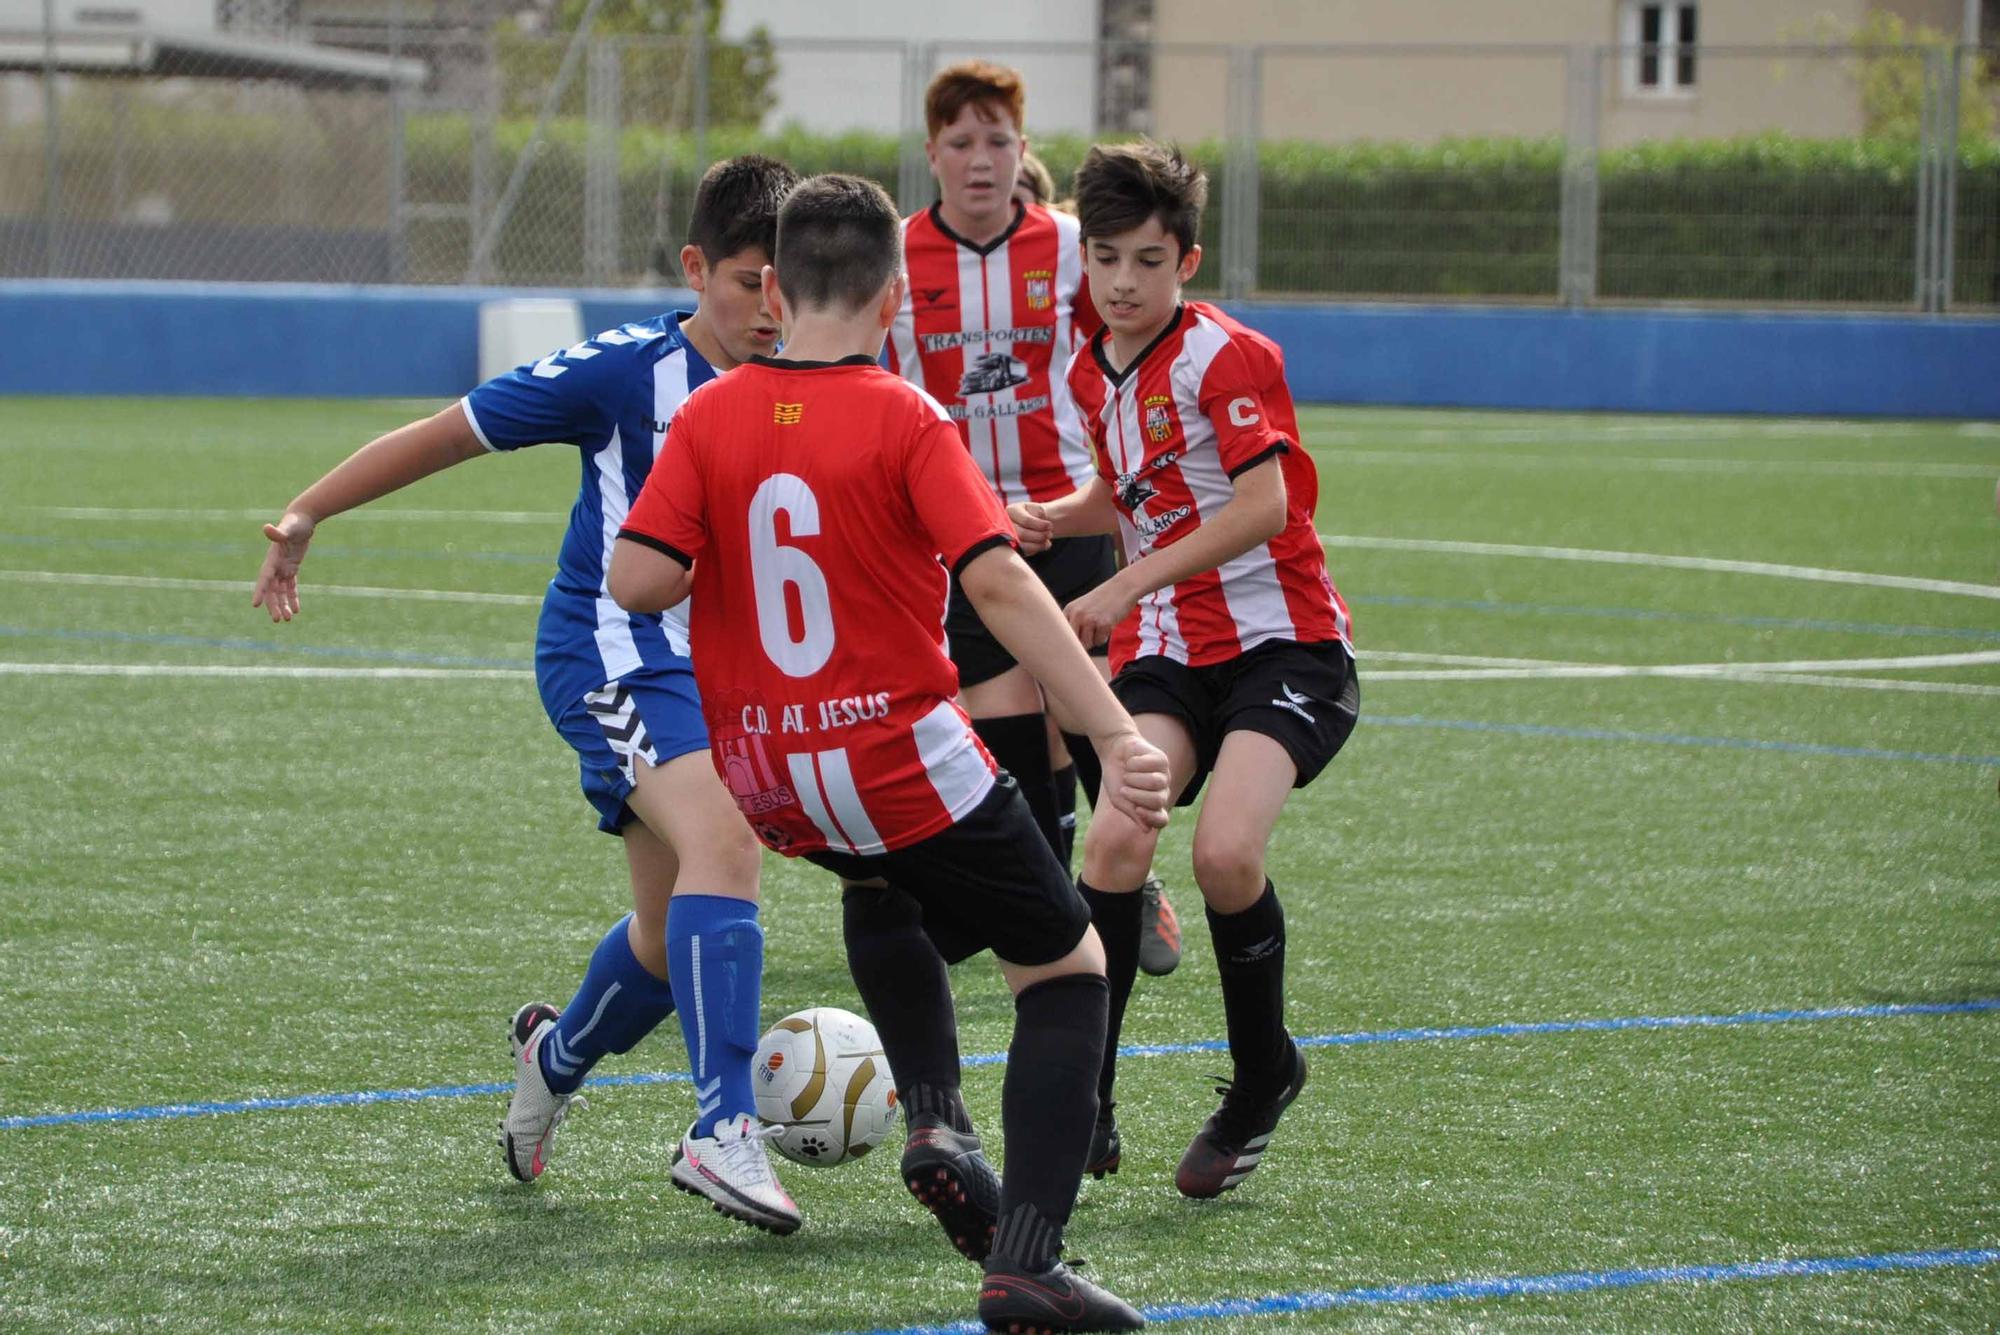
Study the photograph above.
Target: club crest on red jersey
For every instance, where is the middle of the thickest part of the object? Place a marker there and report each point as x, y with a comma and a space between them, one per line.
736, 727
1157, 419
1041, 288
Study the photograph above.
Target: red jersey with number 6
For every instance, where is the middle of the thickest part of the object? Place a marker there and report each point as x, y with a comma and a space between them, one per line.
813, 501
988, 330
1204, 403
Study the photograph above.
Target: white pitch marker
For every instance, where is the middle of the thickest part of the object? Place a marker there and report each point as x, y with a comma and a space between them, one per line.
262, 671
1661, 464
1799, 672
1812, 574
388, 515
248, 586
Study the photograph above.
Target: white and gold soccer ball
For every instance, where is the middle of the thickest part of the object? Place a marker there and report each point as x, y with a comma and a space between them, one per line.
820, 1075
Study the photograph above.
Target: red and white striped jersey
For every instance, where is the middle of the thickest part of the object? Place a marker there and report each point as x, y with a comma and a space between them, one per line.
1205, 402
813, 502
988, 330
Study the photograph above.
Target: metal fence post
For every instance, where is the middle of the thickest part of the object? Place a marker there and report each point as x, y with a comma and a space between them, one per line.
913, 171
1930, 179
1241, 190
1577, 244
600, 168
51, 144
701, 56
1954, 89
485, 122
398, 167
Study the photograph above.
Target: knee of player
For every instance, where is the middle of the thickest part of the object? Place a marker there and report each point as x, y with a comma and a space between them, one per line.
1228, 865
1116, 840
728, 859
743, 858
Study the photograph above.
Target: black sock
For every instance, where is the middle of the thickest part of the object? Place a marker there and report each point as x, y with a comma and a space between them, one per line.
1048, 1105
1064, 782
1088, 772
903, 985
1020, 742
1117, 920
920, 1101
1250, 956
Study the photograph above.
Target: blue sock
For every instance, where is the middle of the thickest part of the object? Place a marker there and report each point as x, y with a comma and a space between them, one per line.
715, 952
617, 1004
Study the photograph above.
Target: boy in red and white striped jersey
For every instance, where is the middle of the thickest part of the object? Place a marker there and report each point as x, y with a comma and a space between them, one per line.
814, 504
996, 304
1228, 641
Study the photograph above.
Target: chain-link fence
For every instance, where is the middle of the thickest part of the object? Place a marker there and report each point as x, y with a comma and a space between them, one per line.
1769, 176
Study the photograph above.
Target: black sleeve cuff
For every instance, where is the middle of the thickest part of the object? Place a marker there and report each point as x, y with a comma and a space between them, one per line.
996, 540
1270, 452
648, 540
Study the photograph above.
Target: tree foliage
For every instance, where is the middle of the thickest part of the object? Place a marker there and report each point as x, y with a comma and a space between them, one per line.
661, 44
1892, 79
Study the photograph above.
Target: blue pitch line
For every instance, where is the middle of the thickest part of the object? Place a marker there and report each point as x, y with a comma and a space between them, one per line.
1676, 739
1694, 618
1883, 1011
1528, 1286
268, 648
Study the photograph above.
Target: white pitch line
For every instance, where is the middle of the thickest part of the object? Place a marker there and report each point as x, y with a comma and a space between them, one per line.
1372, 656
1814, 574
380, 516
1614, 672
1467, 667
247, 586
1465, 424
1497, 459
1867, 683
242, 670
1580, 671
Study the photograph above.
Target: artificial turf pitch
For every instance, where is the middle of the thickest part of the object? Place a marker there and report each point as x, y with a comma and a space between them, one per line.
243, 862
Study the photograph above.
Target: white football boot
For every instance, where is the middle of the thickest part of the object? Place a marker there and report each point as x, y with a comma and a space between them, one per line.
732, 1169
528, 1131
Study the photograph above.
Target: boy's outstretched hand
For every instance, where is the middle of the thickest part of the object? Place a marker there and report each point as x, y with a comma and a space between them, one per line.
1136, 779
278, 582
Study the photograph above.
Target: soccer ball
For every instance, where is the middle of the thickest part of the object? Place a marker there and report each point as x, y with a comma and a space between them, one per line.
820, 1075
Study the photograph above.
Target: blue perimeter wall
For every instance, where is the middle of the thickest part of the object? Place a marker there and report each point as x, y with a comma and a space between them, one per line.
327, 341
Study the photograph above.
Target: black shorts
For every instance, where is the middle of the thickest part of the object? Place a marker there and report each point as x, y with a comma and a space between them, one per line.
1070, 568
989, 882
1303, 696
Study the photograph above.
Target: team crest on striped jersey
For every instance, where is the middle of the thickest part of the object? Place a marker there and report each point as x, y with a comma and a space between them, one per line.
1040, 285
788, 414
1158, 417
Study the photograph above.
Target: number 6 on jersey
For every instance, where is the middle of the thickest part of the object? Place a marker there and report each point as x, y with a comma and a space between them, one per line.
775, 567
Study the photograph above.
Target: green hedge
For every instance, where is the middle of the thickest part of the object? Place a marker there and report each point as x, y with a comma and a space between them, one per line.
1767, 219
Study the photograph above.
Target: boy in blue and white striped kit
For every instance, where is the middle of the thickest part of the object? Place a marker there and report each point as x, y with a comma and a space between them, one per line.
621, 691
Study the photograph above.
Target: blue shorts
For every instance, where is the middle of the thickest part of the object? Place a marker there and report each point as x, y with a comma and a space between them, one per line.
651, 716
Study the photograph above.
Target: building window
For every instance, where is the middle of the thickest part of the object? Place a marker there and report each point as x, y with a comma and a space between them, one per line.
1661, 47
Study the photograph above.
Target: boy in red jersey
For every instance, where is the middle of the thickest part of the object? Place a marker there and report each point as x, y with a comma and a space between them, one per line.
808, 502
1228, 641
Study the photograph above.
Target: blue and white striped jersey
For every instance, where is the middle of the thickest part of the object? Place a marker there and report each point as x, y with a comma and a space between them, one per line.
611, 396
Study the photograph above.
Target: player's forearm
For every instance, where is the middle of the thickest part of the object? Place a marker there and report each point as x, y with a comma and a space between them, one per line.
1084, 512
389, 463
1018, 610
1254, 516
